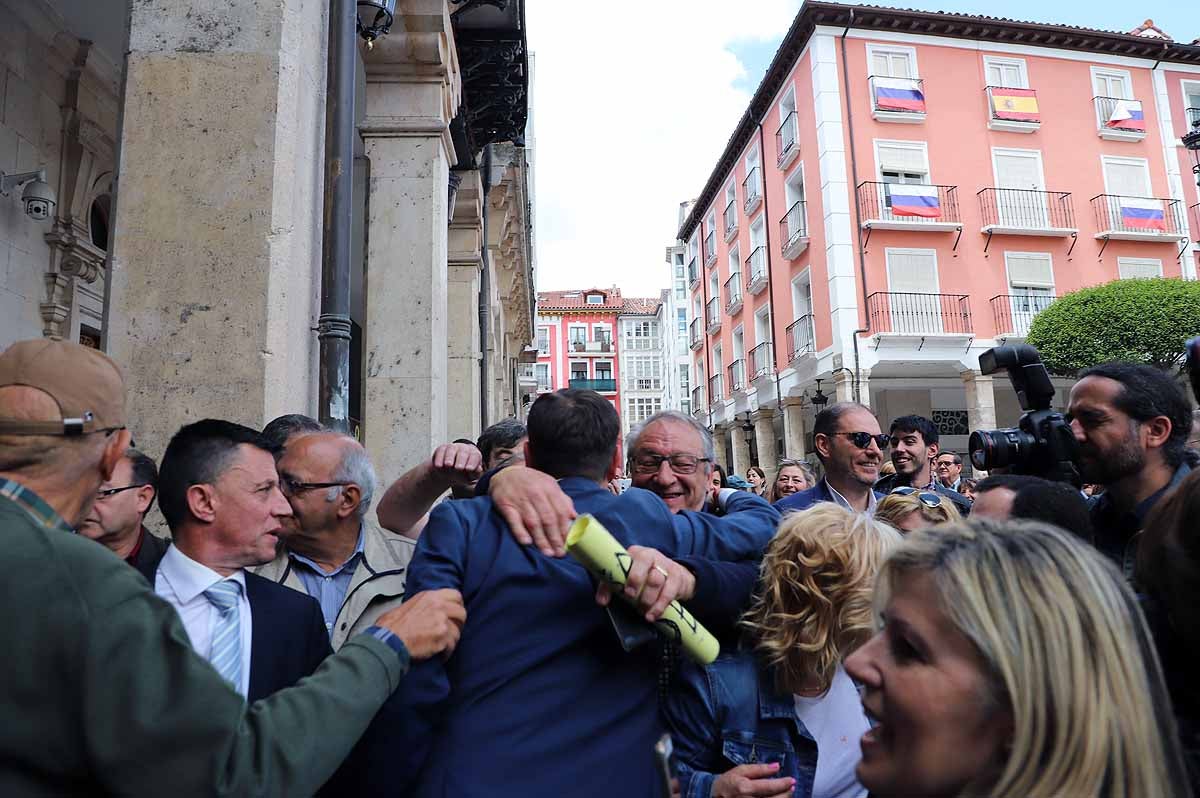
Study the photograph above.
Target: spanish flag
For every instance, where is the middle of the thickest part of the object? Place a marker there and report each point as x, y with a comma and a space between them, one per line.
1018, 105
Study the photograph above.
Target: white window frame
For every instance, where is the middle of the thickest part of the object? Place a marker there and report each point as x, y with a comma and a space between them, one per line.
602, 326
739, 334
587, 299
1002, 60
788, 99
733, 260
1127, 160
762, 240
596, 369
545, 329
1188, 86
1024, 153
730, 195
571, 362
753, 160
902, 144
1112, 72
790, 180
891, 49
803, 277
759, 313
539, 366
888, 252
1139, 262
1008, 275
571, 329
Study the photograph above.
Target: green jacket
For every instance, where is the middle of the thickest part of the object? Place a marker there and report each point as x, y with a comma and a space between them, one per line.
101, 693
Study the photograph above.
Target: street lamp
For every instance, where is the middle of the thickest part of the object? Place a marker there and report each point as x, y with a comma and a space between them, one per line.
1191, 140
378, 16
819, 399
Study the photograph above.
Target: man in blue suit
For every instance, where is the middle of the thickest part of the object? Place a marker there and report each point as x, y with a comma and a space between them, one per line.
850, 444
539, 698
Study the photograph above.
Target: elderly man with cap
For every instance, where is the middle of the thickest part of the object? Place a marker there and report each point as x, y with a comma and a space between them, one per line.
106, 695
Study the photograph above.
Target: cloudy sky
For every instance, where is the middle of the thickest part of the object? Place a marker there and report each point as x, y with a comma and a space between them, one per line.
634, 100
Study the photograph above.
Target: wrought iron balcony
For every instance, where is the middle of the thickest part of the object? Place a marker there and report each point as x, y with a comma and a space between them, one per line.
1013, 110
710, 249
714, 389
762, 360
1194, 214
1118, 119
793, 231
920, 314
752, 190
1138, 218
785, 141
712, 314
1013, 313
756, 271
733, 294
800, 337
730, 218
597, 385
693, 273
698, 403
695, 336
737, 376
1026, 212
909, 206
897, 99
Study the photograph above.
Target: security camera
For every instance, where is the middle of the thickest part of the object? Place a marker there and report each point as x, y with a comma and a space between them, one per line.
39, 200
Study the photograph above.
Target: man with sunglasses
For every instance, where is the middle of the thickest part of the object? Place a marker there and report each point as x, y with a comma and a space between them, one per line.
914, 448
848, 440
115, 520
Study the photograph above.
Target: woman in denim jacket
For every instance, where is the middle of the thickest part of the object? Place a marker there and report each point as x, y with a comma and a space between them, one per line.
758, 716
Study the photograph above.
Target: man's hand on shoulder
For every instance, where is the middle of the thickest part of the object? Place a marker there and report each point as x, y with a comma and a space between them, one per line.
429, 623
654, 581
457, 463
534, 507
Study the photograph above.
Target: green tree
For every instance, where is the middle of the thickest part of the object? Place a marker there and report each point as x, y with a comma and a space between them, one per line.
1145, 321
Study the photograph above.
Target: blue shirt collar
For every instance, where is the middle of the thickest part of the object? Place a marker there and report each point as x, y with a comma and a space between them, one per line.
351, 561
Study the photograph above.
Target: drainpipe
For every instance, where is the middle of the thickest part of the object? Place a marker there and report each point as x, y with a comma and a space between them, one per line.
485, 289
333, 325
771, 286
862, 264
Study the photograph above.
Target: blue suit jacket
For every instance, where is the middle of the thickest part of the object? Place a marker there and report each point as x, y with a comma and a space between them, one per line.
539, 699
807, 498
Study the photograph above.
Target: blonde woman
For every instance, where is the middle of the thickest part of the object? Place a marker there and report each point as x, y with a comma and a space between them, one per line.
1013, 662
754, 721
909, 509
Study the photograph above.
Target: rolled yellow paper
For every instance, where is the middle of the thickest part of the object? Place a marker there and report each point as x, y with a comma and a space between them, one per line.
607, 560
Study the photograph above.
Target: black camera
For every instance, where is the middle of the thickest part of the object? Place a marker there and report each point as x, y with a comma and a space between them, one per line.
1042, 443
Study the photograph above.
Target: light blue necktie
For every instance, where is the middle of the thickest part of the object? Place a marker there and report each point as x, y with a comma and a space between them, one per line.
226, 651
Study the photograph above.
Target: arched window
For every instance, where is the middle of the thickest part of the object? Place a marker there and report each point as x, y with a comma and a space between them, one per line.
100, 216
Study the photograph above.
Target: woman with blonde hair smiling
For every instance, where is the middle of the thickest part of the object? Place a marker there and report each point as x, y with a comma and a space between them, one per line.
1013, 662
909, 509
754, 721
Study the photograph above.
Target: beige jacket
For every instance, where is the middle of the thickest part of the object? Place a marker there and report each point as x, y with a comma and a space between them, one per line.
377, 584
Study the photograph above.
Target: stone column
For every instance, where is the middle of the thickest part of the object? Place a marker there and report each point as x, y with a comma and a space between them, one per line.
843, 385
981, 400
741, 450
794, 440
462, 323
764, 437
217, 236
413, 90
718, 435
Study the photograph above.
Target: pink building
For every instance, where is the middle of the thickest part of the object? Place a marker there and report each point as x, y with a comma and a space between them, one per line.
908, 189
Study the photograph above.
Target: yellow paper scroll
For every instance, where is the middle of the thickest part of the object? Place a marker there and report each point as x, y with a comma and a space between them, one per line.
598, 551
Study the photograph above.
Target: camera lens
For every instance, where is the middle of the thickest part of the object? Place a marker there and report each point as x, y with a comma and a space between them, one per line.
999, 448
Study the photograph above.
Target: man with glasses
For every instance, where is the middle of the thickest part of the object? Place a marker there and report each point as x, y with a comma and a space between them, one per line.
115, 520
847, 438
914, 449
949, 469
332, 552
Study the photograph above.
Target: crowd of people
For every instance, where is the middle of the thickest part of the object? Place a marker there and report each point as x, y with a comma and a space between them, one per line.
305, 629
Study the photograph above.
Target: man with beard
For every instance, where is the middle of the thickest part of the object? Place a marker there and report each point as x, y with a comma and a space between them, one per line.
847, 438
914, 441
1131, 422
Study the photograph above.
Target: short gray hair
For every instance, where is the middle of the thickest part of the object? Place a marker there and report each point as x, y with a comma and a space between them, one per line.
355, 467
706, 439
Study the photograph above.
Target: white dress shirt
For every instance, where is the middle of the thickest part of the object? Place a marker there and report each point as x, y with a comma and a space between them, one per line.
843, 501
181, 581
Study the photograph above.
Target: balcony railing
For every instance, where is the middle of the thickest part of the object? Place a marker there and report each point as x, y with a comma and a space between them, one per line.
785, 141
733, 293
592, 347
1119, 119
693, 273
698, 403
1013, 110
752, 190
762, 360
897, 99
1027, 212
714, 389
793, 230
712, 314
909, 206
730, 218
800, 337
1194, 214
695, 336
710, 248
597, 385
1138, 218
756, 271
920, 314
737, 375
1014, 313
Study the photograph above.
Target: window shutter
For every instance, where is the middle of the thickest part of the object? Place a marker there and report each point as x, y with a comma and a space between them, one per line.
1127, 179
912, 272
1030, 270
902, 159
1129, 268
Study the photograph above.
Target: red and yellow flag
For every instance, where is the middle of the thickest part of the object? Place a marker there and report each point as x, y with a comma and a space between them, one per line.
1018, 105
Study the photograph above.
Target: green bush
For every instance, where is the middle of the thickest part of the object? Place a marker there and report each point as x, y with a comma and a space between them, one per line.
1145, 321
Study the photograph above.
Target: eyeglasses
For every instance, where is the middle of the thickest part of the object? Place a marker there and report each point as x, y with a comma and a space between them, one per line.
104, 494
946, 463
680, 463
863, 439
926, 497
291, 487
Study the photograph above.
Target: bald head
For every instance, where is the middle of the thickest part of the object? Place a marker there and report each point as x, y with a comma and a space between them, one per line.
327, 457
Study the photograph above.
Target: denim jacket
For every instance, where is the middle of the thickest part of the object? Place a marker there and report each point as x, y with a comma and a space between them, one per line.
730, 713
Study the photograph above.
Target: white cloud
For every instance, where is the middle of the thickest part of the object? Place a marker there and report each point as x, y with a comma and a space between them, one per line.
633, 103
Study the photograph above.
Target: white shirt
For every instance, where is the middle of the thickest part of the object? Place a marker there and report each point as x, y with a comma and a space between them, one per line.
842, 500
837, 722
181, 581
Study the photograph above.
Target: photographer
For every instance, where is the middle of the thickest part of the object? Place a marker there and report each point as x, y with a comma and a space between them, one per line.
1131, 424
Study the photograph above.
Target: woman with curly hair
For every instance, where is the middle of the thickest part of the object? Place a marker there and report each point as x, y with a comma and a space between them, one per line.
754, 721
909, 509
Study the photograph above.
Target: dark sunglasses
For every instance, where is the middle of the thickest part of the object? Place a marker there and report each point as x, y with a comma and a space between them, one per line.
863, 439
927, 498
